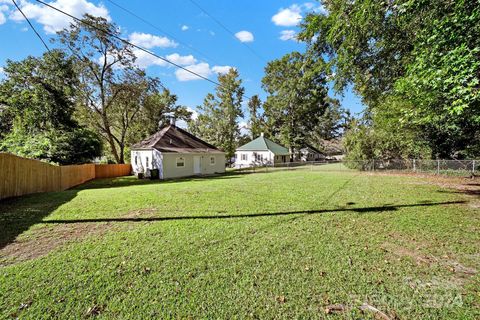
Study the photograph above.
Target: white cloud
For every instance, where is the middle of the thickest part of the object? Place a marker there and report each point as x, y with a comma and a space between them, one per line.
194, 113
185, 27
221, 69
244, 36
54, 21
145, 60
286, 35
149, 41
2, 71
181, 60
202, 69
288, 17
3, 8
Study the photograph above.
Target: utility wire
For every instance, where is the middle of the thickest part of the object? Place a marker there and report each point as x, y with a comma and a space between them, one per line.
227, 30
162, 31
133, 45
31, 26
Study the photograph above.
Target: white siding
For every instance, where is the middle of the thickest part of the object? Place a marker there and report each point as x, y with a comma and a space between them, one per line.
139, 160
250, 158
166, 163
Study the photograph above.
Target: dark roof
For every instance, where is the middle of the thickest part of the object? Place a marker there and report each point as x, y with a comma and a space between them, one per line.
313, 148
175, 140
264, 144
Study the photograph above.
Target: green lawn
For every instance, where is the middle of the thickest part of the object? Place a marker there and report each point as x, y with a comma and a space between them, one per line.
280, 245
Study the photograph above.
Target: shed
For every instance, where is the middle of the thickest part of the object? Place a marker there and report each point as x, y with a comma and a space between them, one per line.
176, 153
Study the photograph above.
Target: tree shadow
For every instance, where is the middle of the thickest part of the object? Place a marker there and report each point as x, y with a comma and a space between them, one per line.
133, 181
18, 214
363, 210
469, 192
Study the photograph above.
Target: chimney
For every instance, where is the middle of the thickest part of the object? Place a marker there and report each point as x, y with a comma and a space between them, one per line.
261, 134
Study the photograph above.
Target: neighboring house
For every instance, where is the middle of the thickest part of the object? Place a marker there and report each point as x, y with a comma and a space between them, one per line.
260, 151
176, 153
309, 153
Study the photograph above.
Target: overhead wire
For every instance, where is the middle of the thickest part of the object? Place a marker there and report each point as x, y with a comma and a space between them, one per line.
162, 31
227, 30
31, 25
134, 45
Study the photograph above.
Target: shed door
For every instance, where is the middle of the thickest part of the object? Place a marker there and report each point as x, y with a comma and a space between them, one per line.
196, 165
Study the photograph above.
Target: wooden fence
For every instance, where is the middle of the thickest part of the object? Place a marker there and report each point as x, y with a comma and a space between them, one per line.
20, 176
112, 170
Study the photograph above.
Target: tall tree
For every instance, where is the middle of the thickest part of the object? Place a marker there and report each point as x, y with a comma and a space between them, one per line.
37, 111
421, 54
255, 122
297, 98
217, 122
105, 66
160, 108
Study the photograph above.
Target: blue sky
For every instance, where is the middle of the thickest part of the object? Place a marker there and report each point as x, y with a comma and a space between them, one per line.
267, 27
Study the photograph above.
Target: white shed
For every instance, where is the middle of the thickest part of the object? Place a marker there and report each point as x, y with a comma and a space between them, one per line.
176, 153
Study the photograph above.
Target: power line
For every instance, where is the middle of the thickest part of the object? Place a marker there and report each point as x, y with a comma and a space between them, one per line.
128, 42
133, 45
31, 26
162, 31
227, 30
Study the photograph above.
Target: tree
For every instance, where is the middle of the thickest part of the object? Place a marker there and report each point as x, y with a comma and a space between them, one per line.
297, 98
160, 108
421, 54
106, 68
255, 123
217, 122
37, 98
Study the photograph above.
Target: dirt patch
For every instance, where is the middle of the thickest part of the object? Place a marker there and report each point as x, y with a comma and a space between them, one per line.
41, 241
458, 270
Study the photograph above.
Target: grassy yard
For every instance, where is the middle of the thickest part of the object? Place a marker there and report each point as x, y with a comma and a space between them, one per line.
277, 245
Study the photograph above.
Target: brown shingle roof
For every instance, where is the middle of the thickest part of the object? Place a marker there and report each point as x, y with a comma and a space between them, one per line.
175, 140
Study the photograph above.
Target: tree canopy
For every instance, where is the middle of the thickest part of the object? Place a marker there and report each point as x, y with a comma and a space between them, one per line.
37, 111
418, 58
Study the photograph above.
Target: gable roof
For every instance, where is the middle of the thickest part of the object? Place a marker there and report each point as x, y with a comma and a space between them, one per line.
263, 144
308, 146
175, 140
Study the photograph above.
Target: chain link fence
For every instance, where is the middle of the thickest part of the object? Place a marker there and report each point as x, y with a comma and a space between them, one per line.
438, 167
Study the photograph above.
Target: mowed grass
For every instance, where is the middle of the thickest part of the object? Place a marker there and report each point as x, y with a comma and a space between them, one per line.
278, 245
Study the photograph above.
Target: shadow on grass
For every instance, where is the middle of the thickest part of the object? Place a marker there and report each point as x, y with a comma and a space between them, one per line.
470, 192
19, 214
255, 215
133, 181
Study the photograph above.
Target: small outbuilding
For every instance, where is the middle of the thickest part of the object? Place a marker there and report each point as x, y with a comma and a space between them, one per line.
260, 151
309, 153
176, 153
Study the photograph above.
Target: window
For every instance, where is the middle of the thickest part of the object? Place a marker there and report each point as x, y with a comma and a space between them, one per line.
180, 162
244, 157
136, 159
212, 161
146, 163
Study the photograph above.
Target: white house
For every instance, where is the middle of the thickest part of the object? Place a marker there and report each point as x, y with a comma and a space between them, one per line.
309, 153
260, 151
176, 153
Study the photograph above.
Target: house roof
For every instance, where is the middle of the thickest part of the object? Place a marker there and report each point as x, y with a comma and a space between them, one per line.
172, 139
264, 144
312, 148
